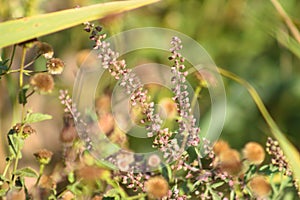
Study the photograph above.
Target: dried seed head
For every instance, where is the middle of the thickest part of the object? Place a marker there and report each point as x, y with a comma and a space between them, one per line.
230, 161
154, 160
259, 186
254, 153
42, 82
43, 156
27, 130
157, 187
220, 146
55, 66
45, 49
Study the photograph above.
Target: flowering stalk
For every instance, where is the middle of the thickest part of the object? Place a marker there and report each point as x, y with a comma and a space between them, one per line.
187, 121
128, 80
71, 108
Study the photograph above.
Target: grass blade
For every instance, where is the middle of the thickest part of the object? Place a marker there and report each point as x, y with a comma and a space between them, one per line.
20, 30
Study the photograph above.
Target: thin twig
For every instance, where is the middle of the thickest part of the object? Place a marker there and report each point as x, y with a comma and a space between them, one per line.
12, 57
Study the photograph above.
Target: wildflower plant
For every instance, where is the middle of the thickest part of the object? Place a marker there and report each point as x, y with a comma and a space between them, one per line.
41, 82
182, 161
186, 166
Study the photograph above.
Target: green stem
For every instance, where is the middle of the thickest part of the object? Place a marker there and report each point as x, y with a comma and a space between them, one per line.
31, 93
16, 164
13, 71
31, 62
12, 56
42, 167
22, 66
18, 149
195, 97
116, 185
271, 181
6, 167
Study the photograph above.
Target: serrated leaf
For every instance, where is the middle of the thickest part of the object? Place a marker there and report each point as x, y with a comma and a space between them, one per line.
26, 172
36, 117
20, 30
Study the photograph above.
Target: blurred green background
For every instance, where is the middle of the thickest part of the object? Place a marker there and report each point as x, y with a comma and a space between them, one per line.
239, 35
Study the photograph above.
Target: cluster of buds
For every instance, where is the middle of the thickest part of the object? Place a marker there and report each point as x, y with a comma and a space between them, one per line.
43, 81
54, 65
169, 147
128, 80
208, 149
24, 130
134, 181
70, 108
139, 97
278, 158
187, 121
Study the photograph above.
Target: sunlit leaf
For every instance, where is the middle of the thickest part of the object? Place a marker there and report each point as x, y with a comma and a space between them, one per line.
37, 117
20, 30
27, 172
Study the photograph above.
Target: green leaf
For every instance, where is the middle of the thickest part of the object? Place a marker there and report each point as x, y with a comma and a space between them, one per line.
26, 172
216, 185
36, 117
3, 192
250, 172
71, 177
20, 30
12, 143
289, 42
